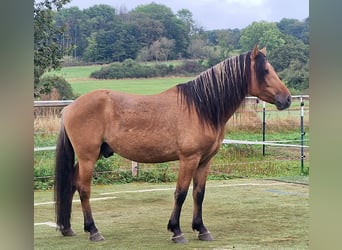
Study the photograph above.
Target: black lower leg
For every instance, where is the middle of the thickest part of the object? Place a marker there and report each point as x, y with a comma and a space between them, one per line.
173, 224
89, 225
197, 222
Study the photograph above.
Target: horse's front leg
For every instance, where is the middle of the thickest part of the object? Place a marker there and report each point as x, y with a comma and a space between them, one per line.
199, 180
186, 170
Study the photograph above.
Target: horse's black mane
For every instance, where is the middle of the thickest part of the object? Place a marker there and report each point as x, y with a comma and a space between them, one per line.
218, 92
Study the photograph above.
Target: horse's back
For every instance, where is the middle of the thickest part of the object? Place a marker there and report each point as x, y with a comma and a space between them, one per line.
127, 123
143, 128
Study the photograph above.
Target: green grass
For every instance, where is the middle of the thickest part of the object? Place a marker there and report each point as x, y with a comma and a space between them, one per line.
79, 79
135, 86
76, 72
240, 214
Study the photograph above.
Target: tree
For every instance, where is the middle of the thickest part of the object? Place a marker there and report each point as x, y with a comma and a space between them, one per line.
100, 17
173, 27
296, 76
48, 54
292, 50
161, 49
226, 38
145, 29
73, 38
90, 53
262, 33
196, 48
186, 17
295, 28
116, 44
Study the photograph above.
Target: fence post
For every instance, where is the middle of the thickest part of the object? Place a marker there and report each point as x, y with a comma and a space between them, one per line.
135, 168
263, 126
302, 133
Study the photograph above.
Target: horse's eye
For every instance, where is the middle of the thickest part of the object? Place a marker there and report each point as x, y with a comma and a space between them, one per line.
266, 71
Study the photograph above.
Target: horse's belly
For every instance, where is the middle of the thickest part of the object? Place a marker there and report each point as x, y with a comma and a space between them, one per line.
147, 154
146, 149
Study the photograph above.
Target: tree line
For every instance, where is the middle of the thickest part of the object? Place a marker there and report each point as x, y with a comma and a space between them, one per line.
153, 32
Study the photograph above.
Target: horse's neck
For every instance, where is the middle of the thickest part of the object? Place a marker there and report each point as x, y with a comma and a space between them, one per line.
231, 112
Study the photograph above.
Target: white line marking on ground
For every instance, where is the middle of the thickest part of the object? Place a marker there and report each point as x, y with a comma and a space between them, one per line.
50, 224
280, 192
92, 199
209, 186
139, 191
167, 189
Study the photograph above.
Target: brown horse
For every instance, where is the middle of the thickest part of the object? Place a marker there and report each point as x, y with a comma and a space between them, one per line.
185, 123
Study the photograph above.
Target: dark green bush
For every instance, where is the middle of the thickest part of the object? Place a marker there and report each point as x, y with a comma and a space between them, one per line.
189, 67
43, 178
63, 88
126, 69
131, 69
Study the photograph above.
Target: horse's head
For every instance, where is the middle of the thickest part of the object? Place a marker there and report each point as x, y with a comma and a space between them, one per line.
265, 83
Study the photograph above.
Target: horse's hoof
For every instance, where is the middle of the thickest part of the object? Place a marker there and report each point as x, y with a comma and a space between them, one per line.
96, 237
205, 236
179, 239
68, 232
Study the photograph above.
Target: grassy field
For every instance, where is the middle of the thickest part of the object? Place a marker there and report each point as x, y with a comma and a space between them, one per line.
79, 79
135, 86
240, 214
77, 72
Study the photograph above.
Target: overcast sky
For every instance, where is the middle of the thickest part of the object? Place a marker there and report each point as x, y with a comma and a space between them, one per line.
220, 14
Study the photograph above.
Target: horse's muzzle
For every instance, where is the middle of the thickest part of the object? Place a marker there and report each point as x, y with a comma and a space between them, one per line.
282, 101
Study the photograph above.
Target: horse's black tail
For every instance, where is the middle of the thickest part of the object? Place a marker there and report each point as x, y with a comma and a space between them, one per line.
64, 174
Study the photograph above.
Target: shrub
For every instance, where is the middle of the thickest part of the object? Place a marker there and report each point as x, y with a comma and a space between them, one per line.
190, 67
131, 69
58, 83
127, 69
43, 178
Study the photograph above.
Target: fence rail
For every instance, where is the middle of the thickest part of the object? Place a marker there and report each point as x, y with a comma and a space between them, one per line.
54, 103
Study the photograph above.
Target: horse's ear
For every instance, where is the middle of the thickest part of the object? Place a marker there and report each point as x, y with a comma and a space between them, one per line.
263, 50
255, 51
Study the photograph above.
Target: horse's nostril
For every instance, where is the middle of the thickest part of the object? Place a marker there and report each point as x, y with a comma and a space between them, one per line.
289, 99
283, 101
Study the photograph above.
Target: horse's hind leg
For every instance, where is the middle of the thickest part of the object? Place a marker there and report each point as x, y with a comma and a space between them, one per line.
67, 231
199, 181
83, 187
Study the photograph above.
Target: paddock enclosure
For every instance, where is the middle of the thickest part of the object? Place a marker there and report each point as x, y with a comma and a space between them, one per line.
268, 214
280, 209
249, 214
190, 128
